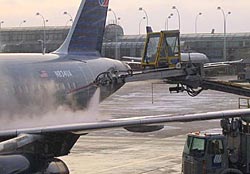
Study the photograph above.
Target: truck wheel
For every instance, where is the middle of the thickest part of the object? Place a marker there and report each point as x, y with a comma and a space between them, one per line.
231, 171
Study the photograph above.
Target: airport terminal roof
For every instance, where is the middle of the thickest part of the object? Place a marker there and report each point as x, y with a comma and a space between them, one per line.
215, 35
35, 28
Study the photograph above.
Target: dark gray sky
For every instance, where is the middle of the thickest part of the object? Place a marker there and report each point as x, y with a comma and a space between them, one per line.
12, 12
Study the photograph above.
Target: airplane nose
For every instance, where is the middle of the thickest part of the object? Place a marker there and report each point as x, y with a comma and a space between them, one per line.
126, 66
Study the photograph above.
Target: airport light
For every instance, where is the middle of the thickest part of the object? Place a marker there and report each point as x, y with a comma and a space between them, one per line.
22, 22
196, 19
140, 24
179, 17
44, 32
167, 20
225, 31
2, 22
70, 17
141, 9
116, 41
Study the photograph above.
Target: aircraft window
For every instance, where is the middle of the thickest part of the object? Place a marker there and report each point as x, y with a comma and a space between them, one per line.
39, 87
26, 89
62, 86
57, 86
20, 89
69, 86
151, 51
215, 147
15, 90
74, 85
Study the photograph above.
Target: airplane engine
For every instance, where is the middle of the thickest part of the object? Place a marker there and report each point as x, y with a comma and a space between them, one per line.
57, 166
14, 164
144, 128
20, 164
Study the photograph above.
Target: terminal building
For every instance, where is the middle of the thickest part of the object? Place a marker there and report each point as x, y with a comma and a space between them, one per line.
30, 40
117, 44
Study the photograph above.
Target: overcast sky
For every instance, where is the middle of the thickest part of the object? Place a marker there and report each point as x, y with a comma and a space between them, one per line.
12, 12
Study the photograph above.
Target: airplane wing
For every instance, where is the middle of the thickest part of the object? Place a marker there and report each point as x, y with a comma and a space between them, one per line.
221, 64
132, 59
24, 148
126, 122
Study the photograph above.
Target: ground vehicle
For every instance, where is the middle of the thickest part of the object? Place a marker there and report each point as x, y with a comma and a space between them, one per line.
224, 153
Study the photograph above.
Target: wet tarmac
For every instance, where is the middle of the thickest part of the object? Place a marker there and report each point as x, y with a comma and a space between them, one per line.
120, 152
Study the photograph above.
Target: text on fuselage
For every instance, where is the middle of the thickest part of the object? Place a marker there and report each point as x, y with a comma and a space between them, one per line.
63, 74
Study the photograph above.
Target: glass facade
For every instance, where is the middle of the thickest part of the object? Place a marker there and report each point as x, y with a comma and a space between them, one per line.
27, 40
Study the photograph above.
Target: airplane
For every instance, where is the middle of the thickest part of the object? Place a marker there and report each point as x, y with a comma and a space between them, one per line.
34, 84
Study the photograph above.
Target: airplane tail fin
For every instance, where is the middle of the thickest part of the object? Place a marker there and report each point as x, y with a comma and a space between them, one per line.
86, 34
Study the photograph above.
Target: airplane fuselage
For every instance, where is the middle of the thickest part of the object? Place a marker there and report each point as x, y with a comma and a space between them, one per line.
35, 84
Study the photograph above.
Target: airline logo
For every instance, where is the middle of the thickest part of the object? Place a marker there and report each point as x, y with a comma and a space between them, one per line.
104, 3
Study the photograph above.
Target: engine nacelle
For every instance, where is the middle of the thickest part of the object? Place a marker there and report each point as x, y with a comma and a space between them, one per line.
144, 128
21, 164
14, 164
57, 166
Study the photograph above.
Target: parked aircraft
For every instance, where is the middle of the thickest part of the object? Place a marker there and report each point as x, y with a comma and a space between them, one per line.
34, 84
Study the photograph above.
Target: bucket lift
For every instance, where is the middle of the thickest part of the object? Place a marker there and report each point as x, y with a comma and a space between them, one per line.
162, 49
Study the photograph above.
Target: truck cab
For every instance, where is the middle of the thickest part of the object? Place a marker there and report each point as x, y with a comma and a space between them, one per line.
162, 49
204, 154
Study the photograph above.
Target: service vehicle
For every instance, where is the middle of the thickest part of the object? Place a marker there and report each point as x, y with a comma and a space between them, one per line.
213, 153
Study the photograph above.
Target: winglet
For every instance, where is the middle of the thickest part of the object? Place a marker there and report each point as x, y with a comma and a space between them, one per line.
86, 34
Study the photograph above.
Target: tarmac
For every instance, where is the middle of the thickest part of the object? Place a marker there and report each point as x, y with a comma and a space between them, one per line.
120, 152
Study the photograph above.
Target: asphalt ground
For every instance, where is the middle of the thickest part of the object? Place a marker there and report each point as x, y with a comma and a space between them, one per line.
120, 152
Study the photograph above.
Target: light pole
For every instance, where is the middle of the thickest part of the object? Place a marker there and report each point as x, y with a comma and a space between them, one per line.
70, 17
166, 21
141, 9
118, 19
196, 19
116, 43
110, 10
140, 24
21, 23
225, 32
179, 17
2, 22
44, 33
